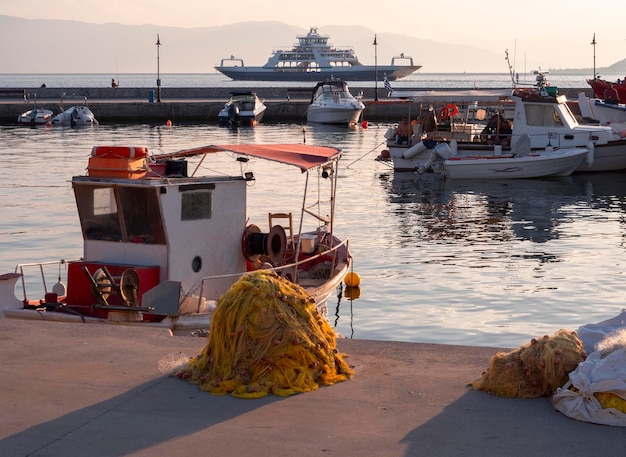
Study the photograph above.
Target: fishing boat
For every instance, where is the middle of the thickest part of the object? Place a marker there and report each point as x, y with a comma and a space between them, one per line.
514, 165
332, 103
600, 85
537, 112
243, 107
161, 245
35, 116
75, 116
595, 109
313, 58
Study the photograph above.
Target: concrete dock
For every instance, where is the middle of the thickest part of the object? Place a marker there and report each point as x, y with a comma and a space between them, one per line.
192, 105
95, 390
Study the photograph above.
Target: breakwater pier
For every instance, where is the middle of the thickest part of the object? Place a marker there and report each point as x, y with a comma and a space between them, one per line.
192, 105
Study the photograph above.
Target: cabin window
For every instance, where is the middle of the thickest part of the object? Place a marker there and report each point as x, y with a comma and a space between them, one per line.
542, 115
196, 205
104, 202
142, 215
98, 212
127, 214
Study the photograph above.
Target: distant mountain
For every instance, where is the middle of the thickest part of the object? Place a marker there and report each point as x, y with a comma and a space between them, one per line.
55, 46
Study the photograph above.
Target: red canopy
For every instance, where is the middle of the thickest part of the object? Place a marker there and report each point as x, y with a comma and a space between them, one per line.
302, 156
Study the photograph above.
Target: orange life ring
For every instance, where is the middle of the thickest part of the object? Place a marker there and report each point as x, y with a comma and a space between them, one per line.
125, 152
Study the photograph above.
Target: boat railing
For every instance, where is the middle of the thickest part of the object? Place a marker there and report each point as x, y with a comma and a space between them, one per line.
30, 283
196, 291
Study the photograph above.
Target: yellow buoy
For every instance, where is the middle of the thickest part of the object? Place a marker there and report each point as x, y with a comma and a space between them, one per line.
352, 279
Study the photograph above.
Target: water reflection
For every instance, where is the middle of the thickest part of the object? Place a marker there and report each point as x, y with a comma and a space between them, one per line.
456, 262
431, 208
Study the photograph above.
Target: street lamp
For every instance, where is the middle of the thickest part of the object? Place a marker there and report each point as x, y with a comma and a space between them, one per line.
375, 69
158, 45
593, 43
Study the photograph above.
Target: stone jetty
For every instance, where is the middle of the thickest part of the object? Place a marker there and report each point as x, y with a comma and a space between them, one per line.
192, 105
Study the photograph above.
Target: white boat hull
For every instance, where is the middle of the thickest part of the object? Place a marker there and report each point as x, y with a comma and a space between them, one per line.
242, 108
75, 116
553, 163
35, 116
607, 157
604, 113
333, 114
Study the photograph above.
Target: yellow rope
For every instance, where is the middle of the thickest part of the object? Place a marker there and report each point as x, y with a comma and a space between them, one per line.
266, 337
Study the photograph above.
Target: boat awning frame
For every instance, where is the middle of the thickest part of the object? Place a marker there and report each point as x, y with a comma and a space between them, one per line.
303, 156
466, 96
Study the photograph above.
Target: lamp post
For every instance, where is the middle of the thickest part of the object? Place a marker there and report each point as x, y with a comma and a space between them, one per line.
593, 43
375, 69
158, 45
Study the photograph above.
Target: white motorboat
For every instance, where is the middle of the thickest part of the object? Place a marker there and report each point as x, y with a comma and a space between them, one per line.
594, 109
35, 116
521, 164
243, 107
160, 247
75, 116
332, 103
313, 58
540, 114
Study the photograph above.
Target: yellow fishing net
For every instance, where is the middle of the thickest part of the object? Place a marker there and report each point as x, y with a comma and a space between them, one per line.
266, 337
536, 369
611, 400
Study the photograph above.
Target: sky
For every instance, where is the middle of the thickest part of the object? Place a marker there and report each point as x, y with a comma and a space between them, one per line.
534, 29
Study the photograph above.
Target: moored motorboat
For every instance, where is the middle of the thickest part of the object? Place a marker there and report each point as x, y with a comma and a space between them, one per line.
75, 116
35, 116
595, 109
243, 107
332, 103
539, 113
513, 165
600, 85
313, 58
161, 246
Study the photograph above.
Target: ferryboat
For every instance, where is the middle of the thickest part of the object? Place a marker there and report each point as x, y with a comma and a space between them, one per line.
313, 58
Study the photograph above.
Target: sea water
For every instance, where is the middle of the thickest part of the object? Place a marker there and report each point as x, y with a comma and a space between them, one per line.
415, 81
485, 263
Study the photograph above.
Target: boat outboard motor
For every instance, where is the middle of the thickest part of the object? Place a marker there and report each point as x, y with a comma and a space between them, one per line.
233, 113
440, 154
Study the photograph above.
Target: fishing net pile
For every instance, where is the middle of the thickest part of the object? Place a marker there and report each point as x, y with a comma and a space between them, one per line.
266, 337
536, 369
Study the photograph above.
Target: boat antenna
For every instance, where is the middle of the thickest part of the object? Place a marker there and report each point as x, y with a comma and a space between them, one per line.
511, 72
593, 43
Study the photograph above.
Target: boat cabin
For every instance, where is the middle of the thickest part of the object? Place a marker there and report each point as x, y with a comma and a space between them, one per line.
170, 231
